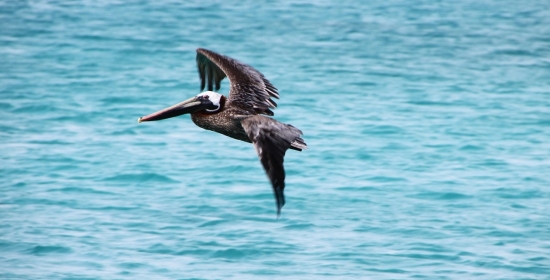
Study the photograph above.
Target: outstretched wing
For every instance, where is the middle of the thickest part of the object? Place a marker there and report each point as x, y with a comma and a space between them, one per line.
249, 89
271, 140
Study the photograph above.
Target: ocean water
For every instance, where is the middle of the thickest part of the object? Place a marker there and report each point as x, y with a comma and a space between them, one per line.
428, 124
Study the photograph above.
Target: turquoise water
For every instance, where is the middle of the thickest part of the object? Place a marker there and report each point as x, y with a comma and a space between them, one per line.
428, 124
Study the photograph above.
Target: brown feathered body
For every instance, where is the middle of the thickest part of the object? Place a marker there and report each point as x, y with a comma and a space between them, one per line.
224, 121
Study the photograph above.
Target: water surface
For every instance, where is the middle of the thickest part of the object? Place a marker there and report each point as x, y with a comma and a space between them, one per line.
428, 125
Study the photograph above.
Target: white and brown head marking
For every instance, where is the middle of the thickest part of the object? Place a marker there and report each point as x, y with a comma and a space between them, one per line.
214, 97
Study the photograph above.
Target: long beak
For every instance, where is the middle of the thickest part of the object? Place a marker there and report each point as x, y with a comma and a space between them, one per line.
188, 106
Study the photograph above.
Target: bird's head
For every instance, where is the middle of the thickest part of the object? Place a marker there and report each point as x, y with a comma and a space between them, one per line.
208, 102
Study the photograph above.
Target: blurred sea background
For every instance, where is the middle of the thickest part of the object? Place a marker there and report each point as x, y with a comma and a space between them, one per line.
428, 124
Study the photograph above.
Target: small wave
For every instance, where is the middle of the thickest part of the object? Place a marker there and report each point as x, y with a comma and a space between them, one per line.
141, 177
212, 223
195, 252
35, 109
430, 103
128, 131
5, 106
231, 254
80, 190
514, 52
159, 249
44, 250
471, 148
432, 257
50, 142
118, 100
131, 265
302, 226
383, 129
386, 179
391, 270
441, 196
509, 193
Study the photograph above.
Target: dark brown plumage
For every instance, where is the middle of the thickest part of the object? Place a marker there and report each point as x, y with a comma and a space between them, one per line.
242, 115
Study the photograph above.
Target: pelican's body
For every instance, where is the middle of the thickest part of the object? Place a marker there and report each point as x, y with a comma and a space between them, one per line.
223, 122
241, 115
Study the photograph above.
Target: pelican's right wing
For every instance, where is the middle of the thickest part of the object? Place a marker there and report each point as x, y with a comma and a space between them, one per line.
272, 139
249, 89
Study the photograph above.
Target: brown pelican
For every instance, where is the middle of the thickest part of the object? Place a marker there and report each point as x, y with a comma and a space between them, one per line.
241, 115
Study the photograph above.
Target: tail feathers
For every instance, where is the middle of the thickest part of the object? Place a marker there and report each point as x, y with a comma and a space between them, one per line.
298, 144
279, 199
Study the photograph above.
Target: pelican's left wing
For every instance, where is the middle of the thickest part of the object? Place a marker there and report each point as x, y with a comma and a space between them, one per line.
272, 139
249, 89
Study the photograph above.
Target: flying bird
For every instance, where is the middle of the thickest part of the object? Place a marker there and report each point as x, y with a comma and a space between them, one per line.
242, 116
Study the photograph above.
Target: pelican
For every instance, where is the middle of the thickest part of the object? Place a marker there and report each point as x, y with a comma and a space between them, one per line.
242, 116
